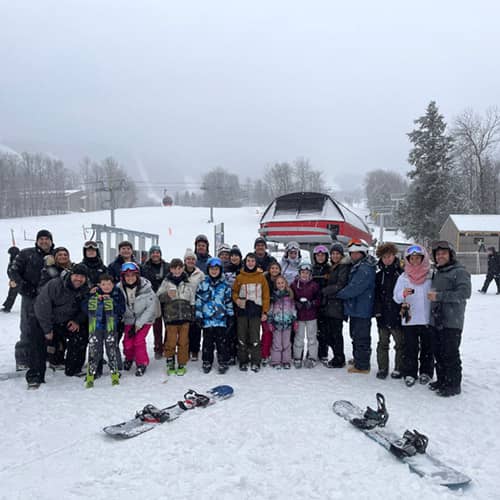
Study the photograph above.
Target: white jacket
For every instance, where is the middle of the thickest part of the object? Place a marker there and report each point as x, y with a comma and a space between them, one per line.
420, 305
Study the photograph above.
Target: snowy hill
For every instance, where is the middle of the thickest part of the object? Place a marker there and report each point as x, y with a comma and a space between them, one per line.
277, 438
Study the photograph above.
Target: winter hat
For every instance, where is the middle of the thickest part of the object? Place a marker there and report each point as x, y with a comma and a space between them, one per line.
125, 243
189, 253
80, 269
386, 248
357, 245
235, 251
260, 239
44, 233
337, 247
13, 251
444, 245
201, 237
305, 266
176, 263
60, 249
154, 248
223, 247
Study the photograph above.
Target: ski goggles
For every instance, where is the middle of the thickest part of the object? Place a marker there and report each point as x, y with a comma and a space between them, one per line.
131, 267
415, 250
441, 245
356, 242
214, 262
320, 249
90, 244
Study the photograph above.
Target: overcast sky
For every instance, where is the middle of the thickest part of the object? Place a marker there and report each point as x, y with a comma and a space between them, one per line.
180, 87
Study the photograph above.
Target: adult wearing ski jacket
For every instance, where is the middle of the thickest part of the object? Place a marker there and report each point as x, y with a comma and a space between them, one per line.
13, 290
451, 287
290, 261
359, 296
25, 272
201, 250
125, 254
58, 310
92, 260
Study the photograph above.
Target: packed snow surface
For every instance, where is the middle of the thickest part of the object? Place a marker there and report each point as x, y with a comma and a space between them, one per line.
276, 438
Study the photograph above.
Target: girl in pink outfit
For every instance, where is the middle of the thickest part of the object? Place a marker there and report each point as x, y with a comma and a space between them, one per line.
141, 312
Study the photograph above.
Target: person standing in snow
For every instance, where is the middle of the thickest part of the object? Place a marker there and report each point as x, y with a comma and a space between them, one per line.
290, 261
230, 272
411, 291
140, 313
282, 316
154, 270
214, 309
334, 315
451, 287
201, 249
195, 277
266, 341
125, 254
24, 274
358, 296
13, 291
307, 298
55, 265
261, 254
387, 311
251, 296
92, 260
493, 272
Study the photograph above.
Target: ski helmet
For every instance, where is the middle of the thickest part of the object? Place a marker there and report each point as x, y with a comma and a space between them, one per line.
305, 266
214, 262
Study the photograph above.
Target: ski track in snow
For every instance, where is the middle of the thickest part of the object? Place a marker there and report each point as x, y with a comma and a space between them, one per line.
276, 438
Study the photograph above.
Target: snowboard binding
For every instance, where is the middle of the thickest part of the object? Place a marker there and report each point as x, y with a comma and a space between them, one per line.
152, 414
410, 444
193, 399
373, 418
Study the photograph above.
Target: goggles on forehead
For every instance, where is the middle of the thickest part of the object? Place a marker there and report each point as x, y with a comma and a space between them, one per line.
130, 267
415, 250
90, 244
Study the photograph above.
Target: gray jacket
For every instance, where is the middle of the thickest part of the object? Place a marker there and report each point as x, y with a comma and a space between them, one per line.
145, 307
453, 286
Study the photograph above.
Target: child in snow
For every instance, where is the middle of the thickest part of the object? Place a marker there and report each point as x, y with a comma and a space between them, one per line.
177, 296
273, 271
140, 313
214, 309
105, 308
281, 318
307, 300
251, 295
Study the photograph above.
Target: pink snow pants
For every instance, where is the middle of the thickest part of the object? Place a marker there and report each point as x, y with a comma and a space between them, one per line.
134, 347
266, 340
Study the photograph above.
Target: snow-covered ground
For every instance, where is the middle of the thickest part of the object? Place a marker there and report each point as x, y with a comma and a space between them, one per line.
277, 438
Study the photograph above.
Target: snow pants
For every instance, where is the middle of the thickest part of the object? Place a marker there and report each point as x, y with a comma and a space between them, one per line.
177, 337
447, 353
11, 298
97, 341
158, 334
194, 337
334, 338
134, 344
249, 339
359, 329
323, 343
215, 337
281, 351
37, 353
488, 280
309, 328
22, 348
418, 350
384, 336
266, 340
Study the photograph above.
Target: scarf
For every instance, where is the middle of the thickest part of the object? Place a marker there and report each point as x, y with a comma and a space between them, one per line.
418, 274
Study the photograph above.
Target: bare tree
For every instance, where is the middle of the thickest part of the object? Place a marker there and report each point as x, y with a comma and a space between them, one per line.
279, 179
476, 139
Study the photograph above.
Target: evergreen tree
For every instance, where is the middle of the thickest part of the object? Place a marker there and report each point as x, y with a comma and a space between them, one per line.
433, 192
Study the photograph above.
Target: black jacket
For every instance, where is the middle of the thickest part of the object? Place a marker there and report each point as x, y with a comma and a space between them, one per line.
320, 274
494, 264
115, 268
338, 278
265, 261
155, 272
26, 270
385, 309
95, 268
58, 302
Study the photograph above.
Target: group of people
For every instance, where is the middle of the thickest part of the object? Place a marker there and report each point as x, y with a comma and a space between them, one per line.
250, 311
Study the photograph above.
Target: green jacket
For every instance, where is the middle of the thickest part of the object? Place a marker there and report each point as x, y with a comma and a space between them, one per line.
453, 286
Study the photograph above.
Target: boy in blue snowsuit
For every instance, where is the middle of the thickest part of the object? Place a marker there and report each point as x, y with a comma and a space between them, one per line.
105, 309
214, 309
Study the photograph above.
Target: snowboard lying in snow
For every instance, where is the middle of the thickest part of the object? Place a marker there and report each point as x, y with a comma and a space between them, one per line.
150, 417
406, 449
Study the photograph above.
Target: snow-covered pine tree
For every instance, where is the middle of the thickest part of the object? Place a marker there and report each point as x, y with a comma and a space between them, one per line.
433, 190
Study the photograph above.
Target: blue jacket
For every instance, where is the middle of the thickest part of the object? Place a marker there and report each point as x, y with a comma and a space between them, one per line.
214, 304
359, 293
118, 307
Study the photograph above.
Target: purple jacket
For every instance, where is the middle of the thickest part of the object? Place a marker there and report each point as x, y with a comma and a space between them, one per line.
309, 290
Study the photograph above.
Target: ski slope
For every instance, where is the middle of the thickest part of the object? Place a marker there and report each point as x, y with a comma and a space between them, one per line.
277, 438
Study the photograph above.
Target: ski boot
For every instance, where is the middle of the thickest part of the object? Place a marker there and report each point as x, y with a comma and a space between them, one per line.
297, 363
286, 366
309, 363
373, 418
89, 381
255, 367
181, 370
171, 366
127, 364
266, 361
206, 367
223, 369
152, 414
382, 374
115, 378
34, 385
141, 369
410, 444
243, 367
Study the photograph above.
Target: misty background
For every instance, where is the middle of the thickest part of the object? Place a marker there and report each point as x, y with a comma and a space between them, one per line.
171, 90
